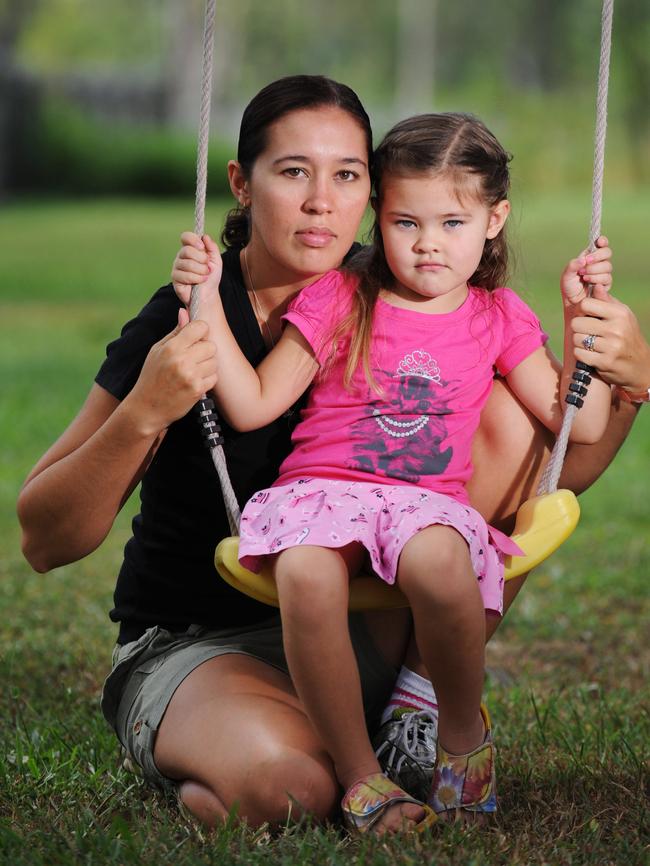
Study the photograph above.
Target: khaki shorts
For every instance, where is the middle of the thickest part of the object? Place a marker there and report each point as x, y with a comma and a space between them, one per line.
147, 672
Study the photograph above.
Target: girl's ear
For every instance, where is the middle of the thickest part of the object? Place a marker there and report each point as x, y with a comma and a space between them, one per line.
498, 216
238, 183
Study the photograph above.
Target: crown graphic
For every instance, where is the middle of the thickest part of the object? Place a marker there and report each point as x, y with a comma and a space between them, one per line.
419, 363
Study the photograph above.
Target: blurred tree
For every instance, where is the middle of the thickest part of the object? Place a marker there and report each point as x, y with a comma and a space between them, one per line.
13, 19
415, 55
633, 77
183, 27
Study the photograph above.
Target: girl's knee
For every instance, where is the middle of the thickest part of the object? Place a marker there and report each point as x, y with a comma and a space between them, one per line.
309, 580
436, 563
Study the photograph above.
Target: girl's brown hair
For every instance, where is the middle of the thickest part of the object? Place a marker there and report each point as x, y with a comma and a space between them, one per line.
459, 146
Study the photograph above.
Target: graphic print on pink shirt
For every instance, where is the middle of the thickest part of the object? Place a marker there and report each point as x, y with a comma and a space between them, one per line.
403, 431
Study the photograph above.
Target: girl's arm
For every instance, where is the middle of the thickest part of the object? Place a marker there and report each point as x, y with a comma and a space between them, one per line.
248, 397
535, 380
252, 397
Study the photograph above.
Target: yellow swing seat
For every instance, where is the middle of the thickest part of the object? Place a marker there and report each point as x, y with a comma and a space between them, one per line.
542, 525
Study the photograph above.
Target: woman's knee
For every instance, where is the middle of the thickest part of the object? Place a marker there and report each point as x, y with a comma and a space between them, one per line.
202, 802
509, 451
282, 788
286, 784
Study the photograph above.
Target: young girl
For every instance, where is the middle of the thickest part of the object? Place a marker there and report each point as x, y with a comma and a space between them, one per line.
401, 347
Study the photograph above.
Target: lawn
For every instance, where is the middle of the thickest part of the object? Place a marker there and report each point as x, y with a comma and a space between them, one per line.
567, 674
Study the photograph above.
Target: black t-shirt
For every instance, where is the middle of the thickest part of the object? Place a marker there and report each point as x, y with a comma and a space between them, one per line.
168, 576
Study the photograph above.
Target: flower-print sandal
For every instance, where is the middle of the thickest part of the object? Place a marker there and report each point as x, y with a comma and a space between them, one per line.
366, 801
466, 782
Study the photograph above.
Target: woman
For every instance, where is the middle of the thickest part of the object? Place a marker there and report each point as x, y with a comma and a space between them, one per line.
199, 693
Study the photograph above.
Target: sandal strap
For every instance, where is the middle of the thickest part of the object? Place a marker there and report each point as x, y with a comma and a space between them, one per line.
368, 798
466, 781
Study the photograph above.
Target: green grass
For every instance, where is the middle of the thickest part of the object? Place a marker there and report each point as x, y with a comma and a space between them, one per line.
568, 673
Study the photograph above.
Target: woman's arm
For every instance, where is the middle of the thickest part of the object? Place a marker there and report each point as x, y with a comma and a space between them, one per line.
622, 357
535, 380
70, 499
621, 354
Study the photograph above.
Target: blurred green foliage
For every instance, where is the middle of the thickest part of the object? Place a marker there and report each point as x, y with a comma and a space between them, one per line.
529, 69
66, 152
62, 34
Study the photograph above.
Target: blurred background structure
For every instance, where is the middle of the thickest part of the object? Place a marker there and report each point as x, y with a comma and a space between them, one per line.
102, 97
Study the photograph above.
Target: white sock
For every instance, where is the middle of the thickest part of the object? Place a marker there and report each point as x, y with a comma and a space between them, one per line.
411, 691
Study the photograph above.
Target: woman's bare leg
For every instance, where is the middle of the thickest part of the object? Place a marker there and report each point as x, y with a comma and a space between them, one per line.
510, 452
236, 735
511, 449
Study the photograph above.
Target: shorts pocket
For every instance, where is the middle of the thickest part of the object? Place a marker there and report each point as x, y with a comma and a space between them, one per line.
140, 745
124, 658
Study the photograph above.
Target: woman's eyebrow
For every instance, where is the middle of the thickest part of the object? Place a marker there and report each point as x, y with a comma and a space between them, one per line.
297, 157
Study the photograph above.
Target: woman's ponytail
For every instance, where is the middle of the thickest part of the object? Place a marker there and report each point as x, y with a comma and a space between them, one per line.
236, 229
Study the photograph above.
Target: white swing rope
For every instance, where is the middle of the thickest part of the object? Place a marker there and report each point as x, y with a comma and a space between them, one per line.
218, 456
551, 476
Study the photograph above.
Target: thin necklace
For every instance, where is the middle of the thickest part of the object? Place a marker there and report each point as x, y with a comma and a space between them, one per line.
258, 307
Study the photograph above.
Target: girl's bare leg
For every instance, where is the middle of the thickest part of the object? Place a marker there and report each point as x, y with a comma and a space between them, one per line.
313, 590
449, 624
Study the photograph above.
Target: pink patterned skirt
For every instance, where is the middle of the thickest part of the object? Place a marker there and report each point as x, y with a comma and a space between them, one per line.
382, 518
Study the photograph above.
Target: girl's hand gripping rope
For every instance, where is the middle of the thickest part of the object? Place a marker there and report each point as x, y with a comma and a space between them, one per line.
587, 271
197, 263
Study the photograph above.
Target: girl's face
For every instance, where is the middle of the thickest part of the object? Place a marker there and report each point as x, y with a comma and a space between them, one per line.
432, 239
307, 194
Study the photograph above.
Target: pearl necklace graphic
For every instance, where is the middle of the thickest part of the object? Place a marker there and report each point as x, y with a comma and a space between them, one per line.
400, 429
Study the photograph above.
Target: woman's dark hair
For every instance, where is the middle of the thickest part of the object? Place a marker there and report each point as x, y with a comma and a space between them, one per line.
281, 97
458, 146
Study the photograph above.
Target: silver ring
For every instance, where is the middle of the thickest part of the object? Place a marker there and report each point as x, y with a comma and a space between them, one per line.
588, 342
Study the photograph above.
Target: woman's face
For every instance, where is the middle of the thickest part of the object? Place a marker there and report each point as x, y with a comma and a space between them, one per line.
307, 193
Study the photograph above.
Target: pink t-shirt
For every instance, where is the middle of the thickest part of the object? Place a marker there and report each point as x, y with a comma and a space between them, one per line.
436, 372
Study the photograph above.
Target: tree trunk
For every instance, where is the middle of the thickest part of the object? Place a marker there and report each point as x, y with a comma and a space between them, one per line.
415, 56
